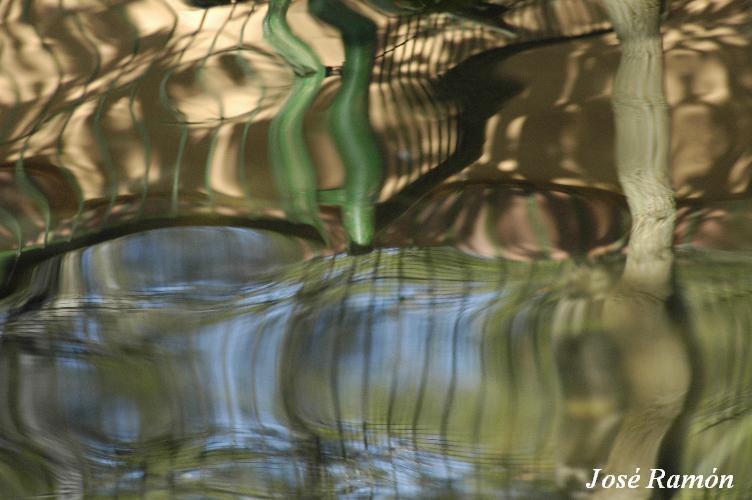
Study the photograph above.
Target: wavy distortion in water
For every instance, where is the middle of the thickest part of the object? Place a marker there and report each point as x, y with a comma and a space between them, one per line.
372, 248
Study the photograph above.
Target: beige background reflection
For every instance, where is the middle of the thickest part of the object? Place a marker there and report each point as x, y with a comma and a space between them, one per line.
151, 108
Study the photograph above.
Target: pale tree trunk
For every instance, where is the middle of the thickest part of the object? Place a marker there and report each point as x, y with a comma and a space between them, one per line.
654, 358
652, 354
643, 140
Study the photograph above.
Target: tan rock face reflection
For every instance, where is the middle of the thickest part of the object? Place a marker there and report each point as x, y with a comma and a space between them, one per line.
153, 107
514, 222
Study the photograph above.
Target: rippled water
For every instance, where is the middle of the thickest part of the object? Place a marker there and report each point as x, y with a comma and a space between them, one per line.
373, 249
223, 370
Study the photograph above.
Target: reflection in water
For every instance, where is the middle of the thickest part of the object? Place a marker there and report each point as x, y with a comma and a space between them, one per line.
340, 248
399, 372
654, 363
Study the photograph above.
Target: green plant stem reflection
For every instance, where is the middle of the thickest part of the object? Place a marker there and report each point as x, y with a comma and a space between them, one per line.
288, 153
349, 123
